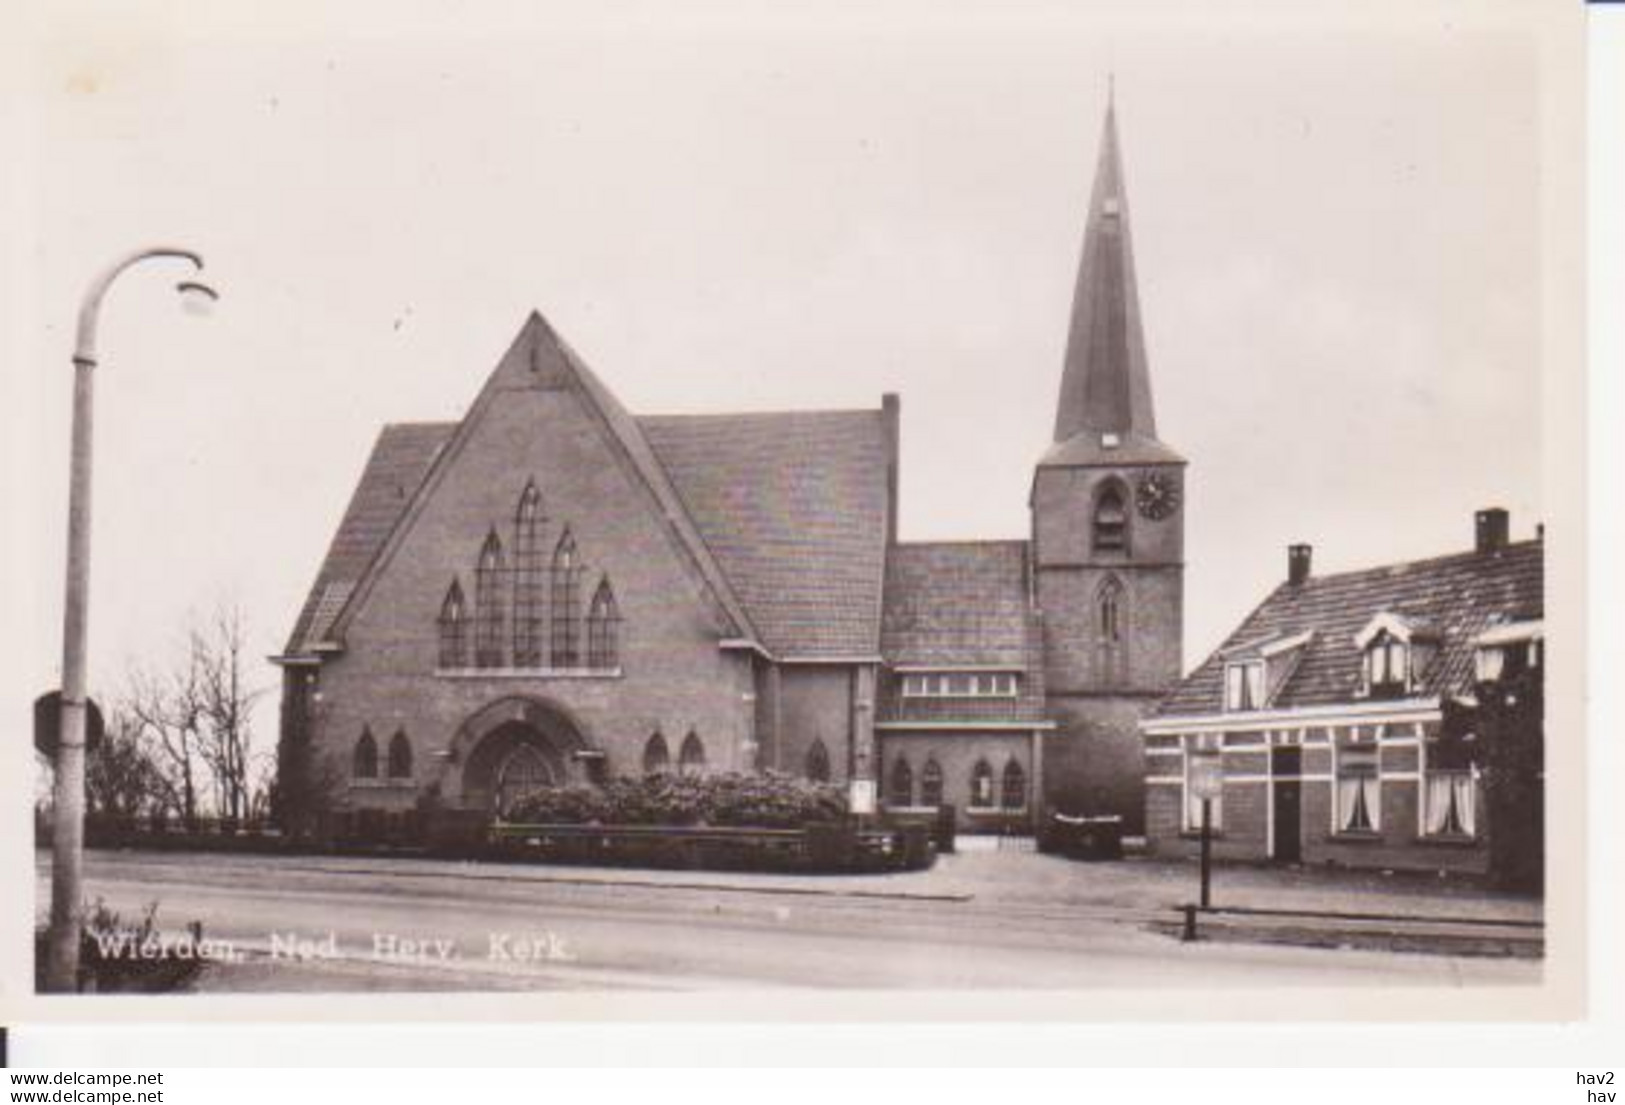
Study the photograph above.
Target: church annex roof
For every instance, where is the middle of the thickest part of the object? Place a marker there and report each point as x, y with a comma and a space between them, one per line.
1458, 596
964, 604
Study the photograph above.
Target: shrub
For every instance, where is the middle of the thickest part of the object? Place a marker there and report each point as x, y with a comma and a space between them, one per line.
766, 800
115, 956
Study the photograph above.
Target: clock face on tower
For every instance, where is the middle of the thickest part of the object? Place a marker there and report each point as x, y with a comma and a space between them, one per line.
1157, 496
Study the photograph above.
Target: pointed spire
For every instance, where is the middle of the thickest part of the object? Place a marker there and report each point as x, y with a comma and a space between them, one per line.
1105, 385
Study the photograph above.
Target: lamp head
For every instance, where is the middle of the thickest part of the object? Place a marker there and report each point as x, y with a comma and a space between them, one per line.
197, 298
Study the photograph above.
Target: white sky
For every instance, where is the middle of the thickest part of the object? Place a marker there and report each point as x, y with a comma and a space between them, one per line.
1337, 241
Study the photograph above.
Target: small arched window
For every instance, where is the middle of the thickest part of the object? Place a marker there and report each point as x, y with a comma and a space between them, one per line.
1014, 787
981, 785
527, 584
691, 760
1111, 520
603, 629
566, 599
364, 760
817, 765
453, 628
931, 783
488, 604
400, 756
1109, 611
656, 756
900, 787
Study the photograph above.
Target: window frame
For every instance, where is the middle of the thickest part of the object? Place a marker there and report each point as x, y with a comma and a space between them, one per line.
980, 684
1368, 754
1244, 702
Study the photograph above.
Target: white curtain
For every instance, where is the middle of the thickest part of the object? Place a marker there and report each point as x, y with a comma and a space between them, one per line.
1451, 806
1255, 686
1357, 801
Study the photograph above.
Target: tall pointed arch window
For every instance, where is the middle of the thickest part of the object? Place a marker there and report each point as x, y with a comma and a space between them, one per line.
900, 785
656, 756
566, 600
817, 763
364, 759
931, 783
453, 628
1110, 528
691, 760
489, 621
1109, 611
1013, 788
603, 629
399, 764
981, 786
527, 579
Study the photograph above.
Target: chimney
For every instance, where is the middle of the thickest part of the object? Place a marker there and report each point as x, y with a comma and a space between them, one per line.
1298, 558
891, 421
1490, 528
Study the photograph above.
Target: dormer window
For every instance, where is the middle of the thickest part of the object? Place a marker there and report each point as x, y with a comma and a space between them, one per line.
1244, 685
1395, 652
1387, 668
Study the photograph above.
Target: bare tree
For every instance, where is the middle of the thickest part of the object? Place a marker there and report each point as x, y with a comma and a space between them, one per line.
121, 779
225, 702
168, 715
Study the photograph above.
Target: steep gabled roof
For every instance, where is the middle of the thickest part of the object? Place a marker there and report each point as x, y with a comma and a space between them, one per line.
794, 506
400, 458
784, 515
539, 352
1457, 596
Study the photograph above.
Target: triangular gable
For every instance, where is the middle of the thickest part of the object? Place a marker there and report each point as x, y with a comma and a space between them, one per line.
539, 358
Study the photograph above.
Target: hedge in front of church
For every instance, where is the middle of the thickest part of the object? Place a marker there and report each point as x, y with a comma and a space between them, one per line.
765, 800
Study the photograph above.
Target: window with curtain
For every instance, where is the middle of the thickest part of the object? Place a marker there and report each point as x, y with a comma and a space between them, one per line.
527, 580
931, 783
489, 623
453, 628
565, 599
691, 760
1452, 805
981, 786
364, 760
656, 756
400, 756
900, 785
1387, 667
603, 629
817, 762
1013, 787
1111, 521
1358, 793
1244, 685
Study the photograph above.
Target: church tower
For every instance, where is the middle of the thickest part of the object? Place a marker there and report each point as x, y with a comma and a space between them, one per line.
1107, 530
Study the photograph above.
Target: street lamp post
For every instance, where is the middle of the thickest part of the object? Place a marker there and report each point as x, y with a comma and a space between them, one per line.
68, 831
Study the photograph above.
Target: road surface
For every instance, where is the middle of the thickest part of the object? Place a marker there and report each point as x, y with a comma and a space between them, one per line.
323, 923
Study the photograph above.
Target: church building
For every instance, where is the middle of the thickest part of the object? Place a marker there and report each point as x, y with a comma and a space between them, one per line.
554, 589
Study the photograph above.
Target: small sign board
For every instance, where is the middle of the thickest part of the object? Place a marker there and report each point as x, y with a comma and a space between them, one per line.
48, 724
1206, 776
861, 796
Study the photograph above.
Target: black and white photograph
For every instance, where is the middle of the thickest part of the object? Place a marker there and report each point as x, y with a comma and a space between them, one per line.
1047, 511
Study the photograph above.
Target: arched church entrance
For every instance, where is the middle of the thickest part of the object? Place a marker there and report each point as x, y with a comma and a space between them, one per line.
515, 747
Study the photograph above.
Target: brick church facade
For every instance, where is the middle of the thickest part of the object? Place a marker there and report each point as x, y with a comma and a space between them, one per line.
556, 590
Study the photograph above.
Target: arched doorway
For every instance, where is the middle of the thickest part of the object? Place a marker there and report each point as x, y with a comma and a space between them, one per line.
515, 746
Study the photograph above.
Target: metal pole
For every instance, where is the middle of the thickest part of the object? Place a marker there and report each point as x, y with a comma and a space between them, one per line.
68, 829
1207, 852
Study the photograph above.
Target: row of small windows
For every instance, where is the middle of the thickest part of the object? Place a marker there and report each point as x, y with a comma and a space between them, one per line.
1010, 793
1000, 684
397, 761
497, 645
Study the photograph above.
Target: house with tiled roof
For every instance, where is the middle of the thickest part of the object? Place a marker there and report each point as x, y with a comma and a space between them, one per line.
1328, 717
553, 589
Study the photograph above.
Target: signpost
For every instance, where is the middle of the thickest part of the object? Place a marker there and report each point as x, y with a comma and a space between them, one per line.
1206, 780
48, 724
